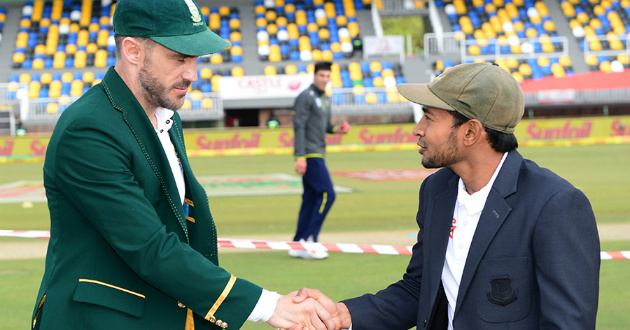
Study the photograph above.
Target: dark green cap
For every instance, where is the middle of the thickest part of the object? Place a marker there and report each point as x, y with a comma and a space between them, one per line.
481, 91
175, 24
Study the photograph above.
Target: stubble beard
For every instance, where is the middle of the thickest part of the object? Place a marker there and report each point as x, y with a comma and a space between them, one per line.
155, 93
446, 154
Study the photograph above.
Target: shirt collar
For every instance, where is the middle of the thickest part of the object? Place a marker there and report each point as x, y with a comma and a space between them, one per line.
474, 203
317, 90
164, 119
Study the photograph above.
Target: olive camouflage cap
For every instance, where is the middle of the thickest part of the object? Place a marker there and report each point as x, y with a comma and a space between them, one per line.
481, 91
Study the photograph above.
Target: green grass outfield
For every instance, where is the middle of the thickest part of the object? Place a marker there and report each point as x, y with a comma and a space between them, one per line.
602, 172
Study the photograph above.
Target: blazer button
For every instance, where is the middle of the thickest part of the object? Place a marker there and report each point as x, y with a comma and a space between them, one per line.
424, 323
180, 305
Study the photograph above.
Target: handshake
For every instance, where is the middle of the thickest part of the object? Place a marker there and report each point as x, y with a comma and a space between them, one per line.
309, 309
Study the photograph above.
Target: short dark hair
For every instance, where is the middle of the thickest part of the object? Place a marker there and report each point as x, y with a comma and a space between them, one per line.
325, 66
500, 142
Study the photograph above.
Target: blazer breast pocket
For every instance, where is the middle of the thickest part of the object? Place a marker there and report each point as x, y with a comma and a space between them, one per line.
110, 296
505, 294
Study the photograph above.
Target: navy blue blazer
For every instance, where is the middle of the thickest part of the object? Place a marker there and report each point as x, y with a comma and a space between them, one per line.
533, 262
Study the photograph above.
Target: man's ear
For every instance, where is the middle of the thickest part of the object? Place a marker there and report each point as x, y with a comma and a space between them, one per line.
473, 131
131, 50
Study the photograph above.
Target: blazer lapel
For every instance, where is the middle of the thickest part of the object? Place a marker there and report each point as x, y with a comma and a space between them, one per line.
438, 228
133, 114
494, 213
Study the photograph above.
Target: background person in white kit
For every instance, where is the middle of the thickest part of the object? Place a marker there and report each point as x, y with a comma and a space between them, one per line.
311, 122
503, 243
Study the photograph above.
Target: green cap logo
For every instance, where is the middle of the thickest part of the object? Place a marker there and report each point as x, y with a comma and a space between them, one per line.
196, 16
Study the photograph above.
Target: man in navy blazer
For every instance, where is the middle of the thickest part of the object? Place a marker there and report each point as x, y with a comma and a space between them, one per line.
503, 243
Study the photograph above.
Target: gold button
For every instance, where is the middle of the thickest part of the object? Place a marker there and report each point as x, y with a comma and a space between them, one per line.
212, 319
180, 305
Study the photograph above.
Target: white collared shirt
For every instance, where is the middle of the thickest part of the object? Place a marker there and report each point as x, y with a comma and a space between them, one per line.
268, 300
465, 219
164, 124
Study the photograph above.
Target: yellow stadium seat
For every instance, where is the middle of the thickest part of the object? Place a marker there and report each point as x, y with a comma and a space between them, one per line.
33, 89
55, 89
237, 71
236, 50
605, 66
216, 83
25, 78
52, 108
270, 15
557, 70
216, 58
317, 55
565, 61
274, 53
371, 98
376, 66
187, 105
518, 76
80, 59
378, 82
235, 36
327, 55
393, 97
474, 50
18, 57
45, 78
88, 77
91, 48
324, 34
207, 103
548, 47
270, 70
205, 73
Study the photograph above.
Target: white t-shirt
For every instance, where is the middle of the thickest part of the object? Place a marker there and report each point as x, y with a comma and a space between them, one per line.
268, 300
465, 219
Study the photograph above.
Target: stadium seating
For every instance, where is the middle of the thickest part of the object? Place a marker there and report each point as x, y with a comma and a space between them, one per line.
407, 4
67, 84
3, 19
78, 34
306, 30
491, 27
600, 27
510, 29
370, 82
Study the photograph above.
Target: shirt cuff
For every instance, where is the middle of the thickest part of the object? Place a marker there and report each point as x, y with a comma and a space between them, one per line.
265, 306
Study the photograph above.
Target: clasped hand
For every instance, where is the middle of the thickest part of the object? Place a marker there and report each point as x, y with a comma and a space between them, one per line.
307, 309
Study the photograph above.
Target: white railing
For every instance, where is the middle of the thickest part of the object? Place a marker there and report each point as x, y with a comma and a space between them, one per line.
437, 44
371, 101
605, 52
48, 110
528, 43
456, 43
376, 22
400, 7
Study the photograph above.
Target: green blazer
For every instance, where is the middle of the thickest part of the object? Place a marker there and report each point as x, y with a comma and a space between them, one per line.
122, 253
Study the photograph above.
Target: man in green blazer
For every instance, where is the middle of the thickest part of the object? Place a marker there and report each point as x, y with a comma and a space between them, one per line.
133, 244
